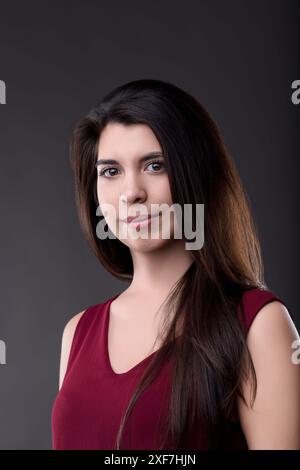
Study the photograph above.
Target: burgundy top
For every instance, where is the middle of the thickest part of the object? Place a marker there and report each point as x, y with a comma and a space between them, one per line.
88, 407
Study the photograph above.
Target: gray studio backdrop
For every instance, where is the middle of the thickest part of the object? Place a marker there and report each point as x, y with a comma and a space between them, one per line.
57, 59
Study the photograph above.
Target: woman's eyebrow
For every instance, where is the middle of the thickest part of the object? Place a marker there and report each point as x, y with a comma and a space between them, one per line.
145, 158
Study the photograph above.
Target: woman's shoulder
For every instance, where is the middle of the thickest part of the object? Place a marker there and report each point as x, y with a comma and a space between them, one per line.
257, 301
72, 328
66, 343
85, 315
268, 317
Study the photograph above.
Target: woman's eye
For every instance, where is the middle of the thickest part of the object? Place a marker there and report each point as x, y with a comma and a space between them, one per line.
106, 172
160, 164
103, 172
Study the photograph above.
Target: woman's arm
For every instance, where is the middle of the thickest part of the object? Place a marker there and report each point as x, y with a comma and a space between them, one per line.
274, 421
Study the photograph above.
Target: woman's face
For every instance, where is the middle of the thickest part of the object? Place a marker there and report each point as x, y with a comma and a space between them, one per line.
130, 185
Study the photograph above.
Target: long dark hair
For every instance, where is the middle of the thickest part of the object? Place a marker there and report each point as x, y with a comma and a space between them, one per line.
207, 296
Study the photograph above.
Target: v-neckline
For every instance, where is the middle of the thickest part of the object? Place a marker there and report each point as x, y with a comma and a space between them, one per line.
106, 332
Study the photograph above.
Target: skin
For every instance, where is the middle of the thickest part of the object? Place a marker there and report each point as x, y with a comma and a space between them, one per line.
274, 420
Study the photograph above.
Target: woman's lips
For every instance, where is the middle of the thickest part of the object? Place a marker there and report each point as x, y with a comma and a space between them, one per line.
141, 220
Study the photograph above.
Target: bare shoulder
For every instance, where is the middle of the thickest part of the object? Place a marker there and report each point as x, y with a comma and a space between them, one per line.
273, 422
66, 343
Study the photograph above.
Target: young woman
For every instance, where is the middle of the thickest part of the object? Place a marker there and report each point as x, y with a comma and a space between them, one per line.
197, 352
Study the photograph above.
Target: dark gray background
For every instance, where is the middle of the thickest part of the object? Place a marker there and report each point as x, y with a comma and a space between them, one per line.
58, 59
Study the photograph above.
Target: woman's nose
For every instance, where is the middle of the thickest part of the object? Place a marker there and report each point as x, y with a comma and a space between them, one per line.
131, 197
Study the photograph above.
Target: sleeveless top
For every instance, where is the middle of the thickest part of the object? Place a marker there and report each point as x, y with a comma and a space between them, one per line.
87, 409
